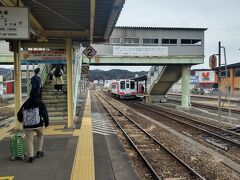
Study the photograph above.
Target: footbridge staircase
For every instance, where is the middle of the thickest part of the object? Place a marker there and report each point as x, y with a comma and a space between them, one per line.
160, 79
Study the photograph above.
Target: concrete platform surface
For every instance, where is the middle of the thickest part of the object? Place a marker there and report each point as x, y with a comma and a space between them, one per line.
90, 151
56, 164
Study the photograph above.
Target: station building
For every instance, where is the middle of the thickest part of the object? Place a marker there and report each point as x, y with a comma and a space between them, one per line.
232, 80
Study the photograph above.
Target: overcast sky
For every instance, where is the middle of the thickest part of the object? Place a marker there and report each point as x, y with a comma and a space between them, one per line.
221, 17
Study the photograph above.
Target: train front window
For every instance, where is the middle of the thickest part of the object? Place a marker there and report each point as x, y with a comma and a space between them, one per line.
132, 85
122, 84
127, 85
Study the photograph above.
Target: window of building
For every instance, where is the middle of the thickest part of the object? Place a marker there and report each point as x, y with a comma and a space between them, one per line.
131, 40
115, 40
191, 41
223, 73
122, 85
169, 41
150, 41
237, 73
236, 89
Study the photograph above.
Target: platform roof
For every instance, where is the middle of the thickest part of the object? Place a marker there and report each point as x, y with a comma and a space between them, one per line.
161, 28
86, 20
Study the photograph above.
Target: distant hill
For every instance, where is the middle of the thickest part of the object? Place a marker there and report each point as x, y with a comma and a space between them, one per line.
113, 74
6, 73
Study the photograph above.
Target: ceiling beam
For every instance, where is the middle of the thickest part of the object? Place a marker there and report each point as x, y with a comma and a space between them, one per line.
35, 25
51, 45
66, 34
92, 18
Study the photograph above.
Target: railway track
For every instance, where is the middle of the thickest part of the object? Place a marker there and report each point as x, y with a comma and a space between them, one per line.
161, 162
221, 138
5, 120
205, 106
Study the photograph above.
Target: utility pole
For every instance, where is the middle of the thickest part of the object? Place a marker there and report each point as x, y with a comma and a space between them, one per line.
219, 80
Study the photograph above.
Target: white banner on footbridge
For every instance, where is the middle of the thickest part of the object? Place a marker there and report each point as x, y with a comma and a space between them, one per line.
140, 51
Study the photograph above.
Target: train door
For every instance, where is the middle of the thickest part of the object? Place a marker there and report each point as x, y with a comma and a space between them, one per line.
122, 89
133, 90
127, 88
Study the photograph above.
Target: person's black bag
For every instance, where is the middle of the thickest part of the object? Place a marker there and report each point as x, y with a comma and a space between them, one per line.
50, 75
57, 73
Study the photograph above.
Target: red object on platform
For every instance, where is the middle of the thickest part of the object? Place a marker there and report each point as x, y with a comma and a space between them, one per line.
9, 87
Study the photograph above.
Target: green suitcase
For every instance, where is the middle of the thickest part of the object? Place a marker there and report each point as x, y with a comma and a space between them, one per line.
18, 146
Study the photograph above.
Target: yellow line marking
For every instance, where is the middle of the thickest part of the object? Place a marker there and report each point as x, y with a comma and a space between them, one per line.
57, 130
7, 178
83, 166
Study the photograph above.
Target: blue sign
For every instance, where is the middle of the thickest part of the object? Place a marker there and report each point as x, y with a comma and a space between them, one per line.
43, 62
194, 79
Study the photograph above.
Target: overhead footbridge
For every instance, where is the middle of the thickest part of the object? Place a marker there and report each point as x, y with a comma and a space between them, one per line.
170, 50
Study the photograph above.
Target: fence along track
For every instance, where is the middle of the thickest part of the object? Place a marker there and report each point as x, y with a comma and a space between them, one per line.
161, 162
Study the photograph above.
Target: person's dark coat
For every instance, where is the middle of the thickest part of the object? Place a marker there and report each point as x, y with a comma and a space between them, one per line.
34, 102
36, 83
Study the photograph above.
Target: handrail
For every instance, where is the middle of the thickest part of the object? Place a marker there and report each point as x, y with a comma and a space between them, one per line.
44, 72
153, 78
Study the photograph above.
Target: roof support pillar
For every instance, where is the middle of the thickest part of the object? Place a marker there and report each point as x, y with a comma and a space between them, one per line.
92, 18
185, 86
69, 82
17, 80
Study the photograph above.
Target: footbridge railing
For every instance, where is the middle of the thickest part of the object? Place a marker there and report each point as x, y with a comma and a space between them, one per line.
153, 76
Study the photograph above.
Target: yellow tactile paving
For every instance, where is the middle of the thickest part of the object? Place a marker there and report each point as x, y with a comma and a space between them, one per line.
57, 130
7, 178
83, 167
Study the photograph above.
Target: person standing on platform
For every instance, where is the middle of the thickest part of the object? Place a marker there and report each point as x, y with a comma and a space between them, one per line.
36, 82
33, 114
57, 78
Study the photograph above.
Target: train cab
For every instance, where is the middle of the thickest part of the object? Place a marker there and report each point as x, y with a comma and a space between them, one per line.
124, 89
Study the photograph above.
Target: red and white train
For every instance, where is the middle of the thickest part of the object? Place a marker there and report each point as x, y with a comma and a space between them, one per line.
124, 88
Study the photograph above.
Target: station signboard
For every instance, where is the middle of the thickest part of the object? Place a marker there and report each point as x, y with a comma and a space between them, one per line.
89, 52
14, 23
43, 57
140, 51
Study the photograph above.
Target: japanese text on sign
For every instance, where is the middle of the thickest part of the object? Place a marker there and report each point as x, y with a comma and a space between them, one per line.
43, 55
140, 51
14, 23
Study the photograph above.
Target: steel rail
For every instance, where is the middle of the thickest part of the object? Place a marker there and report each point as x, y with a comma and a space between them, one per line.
5, 120
192, 171
205, 106
157, 110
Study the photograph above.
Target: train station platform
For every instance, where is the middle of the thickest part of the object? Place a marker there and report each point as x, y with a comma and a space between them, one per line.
90, 151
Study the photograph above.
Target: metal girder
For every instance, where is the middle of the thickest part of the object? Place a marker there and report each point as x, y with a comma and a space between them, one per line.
51, 45
144, 61
92, 18
35, 25
6, 59
66, 34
